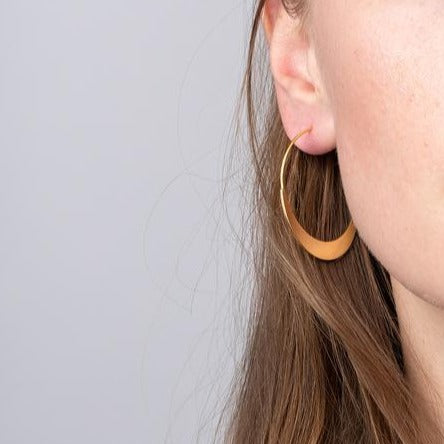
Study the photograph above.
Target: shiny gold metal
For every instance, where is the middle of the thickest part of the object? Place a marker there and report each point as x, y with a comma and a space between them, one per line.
326, 250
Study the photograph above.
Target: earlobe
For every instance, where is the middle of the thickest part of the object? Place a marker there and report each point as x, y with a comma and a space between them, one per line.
298, 85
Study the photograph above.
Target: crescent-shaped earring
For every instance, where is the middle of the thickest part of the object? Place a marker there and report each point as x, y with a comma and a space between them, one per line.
326, 250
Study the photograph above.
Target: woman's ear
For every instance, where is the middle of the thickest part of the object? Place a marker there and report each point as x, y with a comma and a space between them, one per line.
300, 92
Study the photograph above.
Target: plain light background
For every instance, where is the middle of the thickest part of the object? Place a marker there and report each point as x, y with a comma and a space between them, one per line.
116, 257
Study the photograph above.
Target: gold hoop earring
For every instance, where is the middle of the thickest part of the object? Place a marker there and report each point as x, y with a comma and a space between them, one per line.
327, 250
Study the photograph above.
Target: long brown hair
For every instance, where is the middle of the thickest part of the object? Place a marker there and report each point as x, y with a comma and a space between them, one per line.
323, 361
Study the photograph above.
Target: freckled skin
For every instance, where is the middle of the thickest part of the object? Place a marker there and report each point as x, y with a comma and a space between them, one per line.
382, 65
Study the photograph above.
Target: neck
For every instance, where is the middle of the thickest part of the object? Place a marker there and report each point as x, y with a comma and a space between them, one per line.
421, 324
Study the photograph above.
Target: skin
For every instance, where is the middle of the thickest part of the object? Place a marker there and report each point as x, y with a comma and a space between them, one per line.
369, 77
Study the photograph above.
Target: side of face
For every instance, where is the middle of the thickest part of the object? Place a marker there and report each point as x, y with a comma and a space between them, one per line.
378, 69
383, 65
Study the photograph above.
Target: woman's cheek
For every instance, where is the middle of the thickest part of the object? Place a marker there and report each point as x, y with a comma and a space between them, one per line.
384, 76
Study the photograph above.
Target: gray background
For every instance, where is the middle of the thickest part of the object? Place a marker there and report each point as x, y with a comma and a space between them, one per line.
116, 257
